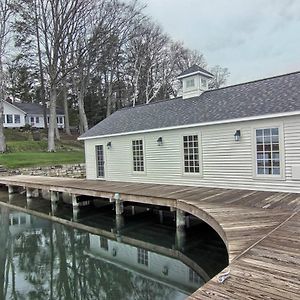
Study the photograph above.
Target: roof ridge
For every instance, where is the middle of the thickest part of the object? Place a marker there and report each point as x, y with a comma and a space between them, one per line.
150, 103
252, 81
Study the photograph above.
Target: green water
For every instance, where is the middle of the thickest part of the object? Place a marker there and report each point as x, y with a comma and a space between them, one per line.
42, 259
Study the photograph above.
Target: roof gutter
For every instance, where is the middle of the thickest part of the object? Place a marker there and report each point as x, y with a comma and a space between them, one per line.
254, 118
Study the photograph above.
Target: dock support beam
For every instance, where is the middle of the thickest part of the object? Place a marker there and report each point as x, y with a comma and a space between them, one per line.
54, 196
180, 219
118, 204
29, 192
74, 201
11, 189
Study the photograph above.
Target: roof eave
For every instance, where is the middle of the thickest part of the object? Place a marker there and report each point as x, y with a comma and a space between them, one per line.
252, 118
208, 75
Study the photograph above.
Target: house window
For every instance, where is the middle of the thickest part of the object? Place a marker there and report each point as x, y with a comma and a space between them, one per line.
267, 151
37, 120
142, 256
204, 82
191, 154
17, 119
194, 277
31, 119
100, 160
9, 119
103, 243
190, 83
138, 156
59, 120
48, 119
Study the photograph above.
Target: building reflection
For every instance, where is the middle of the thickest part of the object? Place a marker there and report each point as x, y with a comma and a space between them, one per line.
44, 260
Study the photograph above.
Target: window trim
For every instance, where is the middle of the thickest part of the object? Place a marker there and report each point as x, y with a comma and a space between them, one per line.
144, 157
15, 119
96, 161
200, 150
282, 175
190, 80
141, 262
12, 118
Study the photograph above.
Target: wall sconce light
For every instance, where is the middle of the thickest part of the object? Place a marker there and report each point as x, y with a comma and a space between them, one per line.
108, 145
237, 136
159, 141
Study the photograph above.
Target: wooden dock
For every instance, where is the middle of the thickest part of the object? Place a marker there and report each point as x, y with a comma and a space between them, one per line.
260, 229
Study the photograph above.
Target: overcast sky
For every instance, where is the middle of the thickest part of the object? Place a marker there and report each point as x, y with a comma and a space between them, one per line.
253, 38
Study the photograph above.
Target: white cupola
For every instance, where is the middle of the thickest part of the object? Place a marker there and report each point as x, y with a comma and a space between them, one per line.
194, 81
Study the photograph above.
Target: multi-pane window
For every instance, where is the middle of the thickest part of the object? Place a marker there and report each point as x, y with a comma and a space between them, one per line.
204, 82
17, 119
37, 120
194, 277
31, 119
60, 120
104, 243
191, 154
267, 151
100, 160
190, 83
9, 119
138, 156
142, 256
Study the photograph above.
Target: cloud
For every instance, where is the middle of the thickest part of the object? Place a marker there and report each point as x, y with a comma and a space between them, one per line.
253, 38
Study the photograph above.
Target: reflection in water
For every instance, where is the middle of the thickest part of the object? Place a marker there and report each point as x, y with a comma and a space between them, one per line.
40, 259
139, 255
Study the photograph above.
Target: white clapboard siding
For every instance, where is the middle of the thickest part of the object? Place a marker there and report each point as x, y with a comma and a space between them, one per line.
225, 162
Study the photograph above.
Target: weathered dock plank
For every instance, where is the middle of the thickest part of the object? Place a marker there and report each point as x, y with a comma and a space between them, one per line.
260, 229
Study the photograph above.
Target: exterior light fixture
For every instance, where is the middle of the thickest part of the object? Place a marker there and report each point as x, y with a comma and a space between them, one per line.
159, 141
108, 145
237, 136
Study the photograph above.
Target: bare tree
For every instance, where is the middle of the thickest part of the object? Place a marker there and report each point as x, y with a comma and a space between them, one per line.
220, 77
59, 21
5, 14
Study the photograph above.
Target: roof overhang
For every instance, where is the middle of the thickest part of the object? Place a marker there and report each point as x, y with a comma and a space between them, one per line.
253, 118
195, 73
15, 107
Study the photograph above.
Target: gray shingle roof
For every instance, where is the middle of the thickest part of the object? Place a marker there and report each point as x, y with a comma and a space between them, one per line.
262, 97
35, 108
194, 69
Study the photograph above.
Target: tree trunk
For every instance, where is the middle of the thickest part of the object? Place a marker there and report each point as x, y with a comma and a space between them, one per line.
82, 115
2, 95
41, 72
52, 119
66, 108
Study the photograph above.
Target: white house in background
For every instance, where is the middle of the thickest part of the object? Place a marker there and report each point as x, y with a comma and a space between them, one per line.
245, 136
17, 114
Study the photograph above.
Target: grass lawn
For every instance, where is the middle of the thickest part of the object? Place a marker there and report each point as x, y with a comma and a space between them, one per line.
30, 159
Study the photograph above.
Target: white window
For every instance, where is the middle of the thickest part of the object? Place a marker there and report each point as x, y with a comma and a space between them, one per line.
59, 120
190, 83
9, 119
103, 243
32, 120
37, 120
191, 154
203, 82
17, 119
100, 160
267, 151
142, 256
138, 156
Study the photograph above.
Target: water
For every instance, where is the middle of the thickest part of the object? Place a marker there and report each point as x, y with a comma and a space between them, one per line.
137, 256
